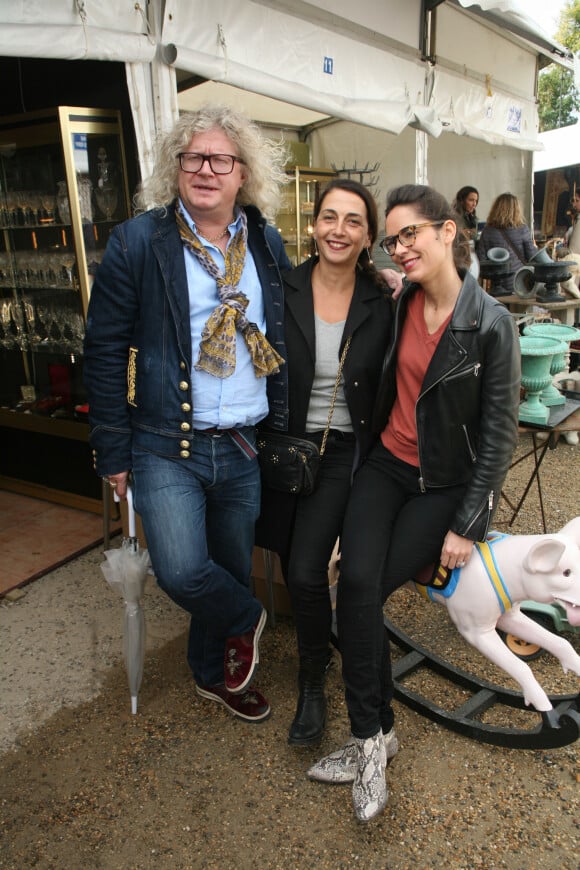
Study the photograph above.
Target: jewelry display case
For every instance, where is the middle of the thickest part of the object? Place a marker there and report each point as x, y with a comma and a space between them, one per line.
63, 186
295, 217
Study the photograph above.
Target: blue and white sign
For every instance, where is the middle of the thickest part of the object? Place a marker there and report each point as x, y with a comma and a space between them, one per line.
328, 66
80, 152
514, 123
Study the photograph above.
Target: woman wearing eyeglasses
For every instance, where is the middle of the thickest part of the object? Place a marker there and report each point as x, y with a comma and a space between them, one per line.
446, 421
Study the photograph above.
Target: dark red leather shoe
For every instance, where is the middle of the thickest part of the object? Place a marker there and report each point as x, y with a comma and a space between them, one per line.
250, 705
242, 657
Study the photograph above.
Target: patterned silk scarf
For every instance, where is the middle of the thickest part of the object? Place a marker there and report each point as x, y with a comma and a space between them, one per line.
217, 350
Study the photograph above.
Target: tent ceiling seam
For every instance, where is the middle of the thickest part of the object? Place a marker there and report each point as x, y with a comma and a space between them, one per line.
481, 78
342, 26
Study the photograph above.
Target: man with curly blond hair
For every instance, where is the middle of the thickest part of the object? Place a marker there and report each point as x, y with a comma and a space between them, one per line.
184, 355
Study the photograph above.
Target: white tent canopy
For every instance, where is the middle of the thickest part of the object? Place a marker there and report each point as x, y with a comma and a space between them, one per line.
369, 63
76, 30
562, 148
363, 63
278, 54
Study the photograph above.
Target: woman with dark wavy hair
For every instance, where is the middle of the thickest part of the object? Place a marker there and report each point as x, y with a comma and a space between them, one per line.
464, 206
445, 422
334, 296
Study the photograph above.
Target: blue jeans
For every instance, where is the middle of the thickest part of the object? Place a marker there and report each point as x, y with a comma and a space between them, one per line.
198, 516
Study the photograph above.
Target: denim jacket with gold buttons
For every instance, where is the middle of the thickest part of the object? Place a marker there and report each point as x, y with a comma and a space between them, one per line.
138, 352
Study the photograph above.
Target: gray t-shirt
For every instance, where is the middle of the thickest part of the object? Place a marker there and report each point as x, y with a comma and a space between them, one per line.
328, 336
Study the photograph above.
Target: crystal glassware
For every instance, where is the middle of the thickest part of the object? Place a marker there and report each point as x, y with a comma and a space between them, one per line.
107, 198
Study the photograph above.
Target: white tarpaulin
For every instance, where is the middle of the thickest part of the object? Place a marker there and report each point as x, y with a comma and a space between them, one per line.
278, 51
469, 109
271, 52
76, 30
360, 63
562, 148
512, 12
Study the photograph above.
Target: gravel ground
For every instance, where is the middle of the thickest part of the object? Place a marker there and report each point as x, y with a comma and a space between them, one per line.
83, 783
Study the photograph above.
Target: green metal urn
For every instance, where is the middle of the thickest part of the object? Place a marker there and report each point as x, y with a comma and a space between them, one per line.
537, 354
551, 396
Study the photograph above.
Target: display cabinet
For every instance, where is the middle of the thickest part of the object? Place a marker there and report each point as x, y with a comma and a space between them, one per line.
295, 217
63, 186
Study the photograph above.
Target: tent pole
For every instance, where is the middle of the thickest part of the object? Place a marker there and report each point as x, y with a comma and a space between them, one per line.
421, 152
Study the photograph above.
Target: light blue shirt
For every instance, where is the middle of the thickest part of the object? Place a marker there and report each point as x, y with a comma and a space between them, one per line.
239, 400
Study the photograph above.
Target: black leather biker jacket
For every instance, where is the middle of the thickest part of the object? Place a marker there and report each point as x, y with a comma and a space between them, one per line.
467, 410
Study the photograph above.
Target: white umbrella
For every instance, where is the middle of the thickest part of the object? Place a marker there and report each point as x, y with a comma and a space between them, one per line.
126, 569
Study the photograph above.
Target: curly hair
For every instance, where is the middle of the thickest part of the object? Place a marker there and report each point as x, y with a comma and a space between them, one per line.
264, 159
505, 212
433, 206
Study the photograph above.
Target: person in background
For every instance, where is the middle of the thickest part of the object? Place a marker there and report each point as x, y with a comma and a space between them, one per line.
184, 355
506, 228
334, 296
447, 419
464, 215
572, 239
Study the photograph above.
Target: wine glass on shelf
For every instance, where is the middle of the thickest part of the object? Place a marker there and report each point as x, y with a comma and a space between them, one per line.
30, 318
62, 203
41, 270
107, 198
27, 202
6, 336
48, 203
12, 207
49, 324
17, 313
72, 327
35, 205
6, 271
67, 258
23, 271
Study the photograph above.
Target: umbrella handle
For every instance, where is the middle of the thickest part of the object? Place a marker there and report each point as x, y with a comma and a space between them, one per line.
130, 510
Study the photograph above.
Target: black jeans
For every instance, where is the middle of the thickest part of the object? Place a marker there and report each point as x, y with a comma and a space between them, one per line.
391, 530
317, 524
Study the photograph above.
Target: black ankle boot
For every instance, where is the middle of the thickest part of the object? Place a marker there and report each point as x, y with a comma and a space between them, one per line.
310, 718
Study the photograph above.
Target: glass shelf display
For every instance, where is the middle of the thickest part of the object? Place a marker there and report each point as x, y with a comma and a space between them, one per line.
63, 186
294, 219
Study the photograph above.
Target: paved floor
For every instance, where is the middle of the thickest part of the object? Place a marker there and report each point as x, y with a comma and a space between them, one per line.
37, 536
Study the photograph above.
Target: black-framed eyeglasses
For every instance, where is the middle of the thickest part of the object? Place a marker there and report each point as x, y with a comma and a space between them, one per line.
220, 164
406, 236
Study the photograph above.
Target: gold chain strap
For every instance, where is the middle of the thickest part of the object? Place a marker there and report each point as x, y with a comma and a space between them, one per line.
333, 400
